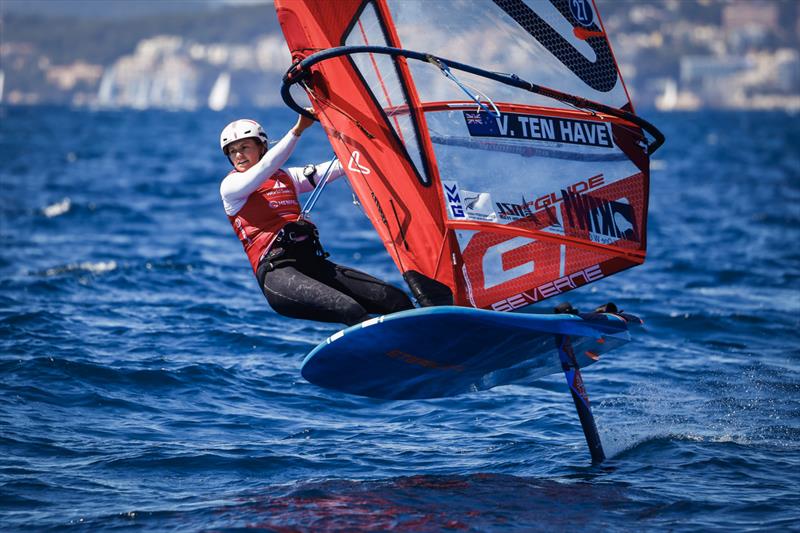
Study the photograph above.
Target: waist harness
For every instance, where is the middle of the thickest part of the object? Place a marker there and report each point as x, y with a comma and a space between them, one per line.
296, 241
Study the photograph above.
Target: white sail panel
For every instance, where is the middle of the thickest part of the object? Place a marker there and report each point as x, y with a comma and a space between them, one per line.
546, 49
381, 76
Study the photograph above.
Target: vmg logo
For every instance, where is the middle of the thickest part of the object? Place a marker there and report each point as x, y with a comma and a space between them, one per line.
453, 199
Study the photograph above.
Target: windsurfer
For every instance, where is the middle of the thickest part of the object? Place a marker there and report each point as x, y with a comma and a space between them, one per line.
261, 201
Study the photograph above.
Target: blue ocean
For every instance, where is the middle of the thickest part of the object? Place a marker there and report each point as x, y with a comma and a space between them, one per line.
146, 384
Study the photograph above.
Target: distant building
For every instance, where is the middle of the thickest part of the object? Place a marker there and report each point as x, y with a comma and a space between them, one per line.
759, 15
158, 74
68, 77
169, 72
23, 73
751, 24
787, 66
698, 72
759, 80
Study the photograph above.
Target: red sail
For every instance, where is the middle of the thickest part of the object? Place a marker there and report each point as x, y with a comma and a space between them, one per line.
501, 206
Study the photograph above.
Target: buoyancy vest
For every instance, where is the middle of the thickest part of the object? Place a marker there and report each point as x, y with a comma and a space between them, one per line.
267, 210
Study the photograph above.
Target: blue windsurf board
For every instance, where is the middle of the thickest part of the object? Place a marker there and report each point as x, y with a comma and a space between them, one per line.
435, 352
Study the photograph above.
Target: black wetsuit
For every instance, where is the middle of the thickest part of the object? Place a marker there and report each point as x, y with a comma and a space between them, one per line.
298, 281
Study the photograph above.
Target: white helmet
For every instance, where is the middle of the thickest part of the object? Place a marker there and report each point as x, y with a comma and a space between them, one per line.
241, 129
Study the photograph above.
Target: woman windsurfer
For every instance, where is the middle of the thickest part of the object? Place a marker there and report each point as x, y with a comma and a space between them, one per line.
261, 201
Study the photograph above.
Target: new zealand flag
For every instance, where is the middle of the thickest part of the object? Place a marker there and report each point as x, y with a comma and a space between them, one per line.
481, 123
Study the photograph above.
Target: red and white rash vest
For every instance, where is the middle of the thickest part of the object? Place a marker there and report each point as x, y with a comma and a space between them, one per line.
263, 198
265, 212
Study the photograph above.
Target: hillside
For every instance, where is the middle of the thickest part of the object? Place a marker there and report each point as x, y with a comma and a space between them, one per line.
66, 39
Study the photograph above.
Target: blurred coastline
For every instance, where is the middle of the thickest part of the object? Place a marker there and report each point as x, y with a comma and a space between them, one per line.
674, 55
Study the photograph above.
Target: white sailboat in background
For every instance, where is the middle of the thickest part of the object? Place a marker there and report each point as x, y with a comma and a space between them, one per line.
105, 93
218, 97
674, 99
668, 99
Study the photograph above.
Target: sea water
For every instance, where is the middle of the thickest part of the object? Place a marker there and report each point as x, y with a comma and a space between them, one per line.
145, 383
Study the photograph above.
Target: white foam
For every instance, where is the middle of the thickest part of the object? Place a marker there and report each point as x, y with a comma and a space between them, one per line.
58, 208
94, 268
98, 268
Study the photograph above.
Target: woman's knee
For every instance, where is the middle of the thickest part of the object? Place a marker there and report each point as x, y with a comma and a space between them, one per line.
376, 295
396, 300
353, 315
